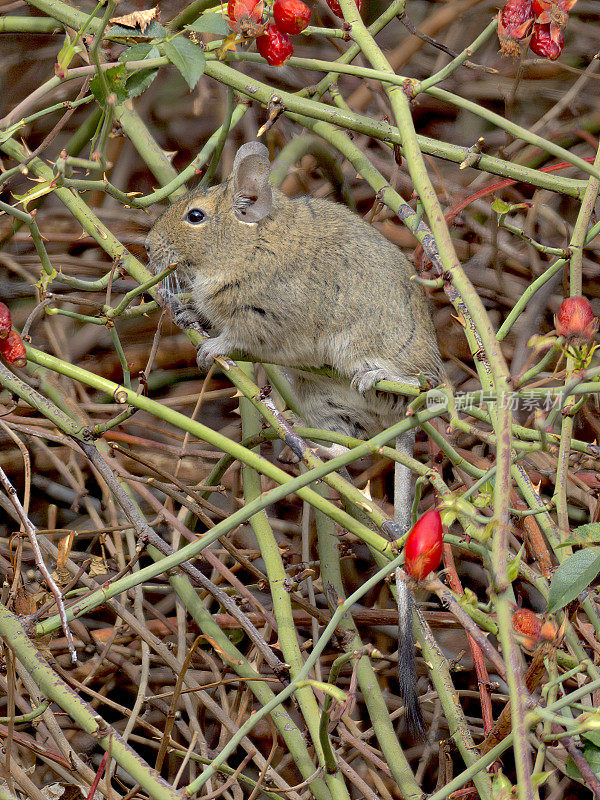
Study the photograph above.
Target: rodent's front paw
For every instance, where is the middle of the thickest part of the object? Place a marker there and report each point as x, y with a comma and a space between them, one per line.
184, 317
366, 379
211, 349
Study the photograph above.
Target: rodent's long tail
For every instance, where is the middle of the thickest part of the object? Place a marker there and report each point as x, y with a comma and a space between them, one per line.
407, 675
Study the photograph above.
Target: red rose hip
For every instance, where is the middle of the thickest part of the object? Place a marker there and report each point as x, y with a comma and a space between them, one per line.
291, 16
12, 350
337, 9
544, 43
514, 24
541, 7
423, 546
576, 319
275, 46
5, 321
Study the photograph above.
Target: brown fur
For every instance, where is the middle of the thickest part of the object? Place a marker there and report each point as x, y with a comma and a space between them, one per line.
309, 284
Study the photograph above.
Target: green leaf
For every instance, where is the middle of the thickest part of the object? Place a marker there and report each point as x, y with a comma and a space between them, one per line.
592, 736
138, 52
45, 280
587, 534
8, 133
210, 23
138, 82
502, 788
591, 753
540, 778
187, 57
115, 80
42, 188
67, 52
513, 567
499, 206
573, 576
502, 208
483, 499
153, 31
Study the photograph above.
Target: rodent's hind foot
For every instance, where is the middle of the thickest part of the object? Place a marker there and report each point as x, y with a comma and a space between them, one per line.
331, 451
363, 380
212, 348
287, 455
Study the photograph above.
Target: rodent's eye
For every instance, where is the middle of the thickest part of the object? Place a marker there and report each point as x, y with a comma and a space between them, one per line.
195, 216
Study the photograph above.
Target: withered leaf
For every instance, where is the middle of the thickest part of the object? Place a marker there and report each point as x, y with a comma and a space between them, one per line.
141, 18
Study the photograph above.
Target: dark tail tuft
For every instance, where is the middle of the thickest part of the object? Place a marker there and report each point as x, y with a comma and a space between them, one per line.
406, 662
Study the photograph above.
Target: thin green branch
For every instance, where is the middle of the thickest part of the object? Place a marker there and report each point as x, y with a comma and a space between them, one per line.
57, 690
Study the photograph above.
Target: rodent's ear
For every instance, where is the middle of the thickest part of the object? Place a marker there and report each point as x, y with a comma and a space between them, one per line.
252, 196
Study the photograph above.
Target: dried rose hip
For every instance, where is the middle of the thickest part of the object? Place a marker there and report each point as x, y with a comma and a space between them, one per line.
236, 9
526, 622
556, 11
576, 319
12, 349
528, 626
275, 46
514, 24
548, 631
423, 546
336, 8
5, 321
516, 13
291, 16
245, 15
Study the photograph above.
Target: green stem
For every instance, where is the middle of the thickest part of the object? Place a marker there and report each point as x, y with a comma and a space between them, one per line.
146, 145
541, 248
222, 138
575, 289
285, 725
384, 131
516, 130
28, 25
453, 65
537, 284
503, 599
34, 714
304, 673
367, 678
395, 8
191, 12
57, 690
278, 579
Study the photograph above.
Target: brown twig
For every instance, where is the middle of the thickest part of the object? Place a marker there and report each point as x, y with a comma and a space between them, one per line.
149, 537
480, 668
30, 530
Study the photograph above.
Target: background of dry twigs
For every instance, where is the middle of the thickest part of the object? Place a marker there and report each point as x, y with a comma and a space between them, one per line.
146, 666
